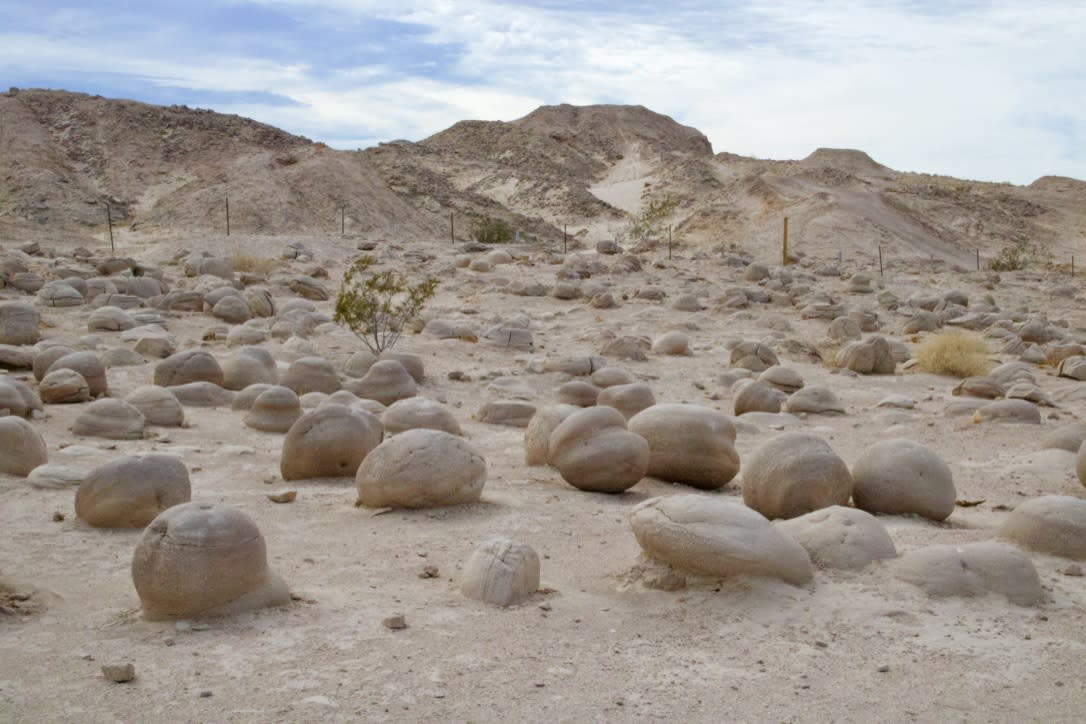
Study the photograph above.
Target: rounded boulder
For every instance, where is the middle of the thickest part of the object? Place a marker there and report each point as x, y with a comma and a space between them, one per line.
793, 474
421, 469
899, 476
688, 444
130, 491
594, 451
1053, 524
329, 442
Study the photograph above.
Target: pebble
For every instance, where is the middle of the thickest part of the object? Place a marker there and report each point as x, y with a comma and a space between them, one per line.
119, 673
883, 669
1074, 570
286, 496
396, 622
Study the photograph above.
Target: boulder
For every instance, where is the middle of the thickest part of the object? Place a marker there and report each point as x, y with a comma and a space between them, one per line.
1067, 437
18, 323
717, 538
419, 412
754, 356
89, 366
814, 401
46, 356
1015, 411
594, 451
249, 366
628, 399
502, 572
110, 418
274, 410
190, 365
537, 436
421, 469
159, 406
16, 398
628, 347
785, 379
63, 386
311, 374
688, 444
512, 413
873, 356
198, 560
900, 477
202, 394
672, 343
971, 569
794, 474
611, 376
755, 396
21, 447
579, 393
841, 538
110, 319
386, 381
130, 491
1052, 524
329, 442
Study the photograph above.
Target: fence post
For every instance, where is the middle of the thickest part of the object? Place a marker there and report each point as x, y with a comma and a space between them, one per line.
342, 220
784, 245
452, 228
565, 237
880, 260
113, 250
978, 258
228, 215
669, 241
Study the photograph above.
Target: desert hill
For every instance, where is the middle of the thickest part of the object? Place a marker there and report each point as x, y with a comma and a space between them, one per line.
593, 170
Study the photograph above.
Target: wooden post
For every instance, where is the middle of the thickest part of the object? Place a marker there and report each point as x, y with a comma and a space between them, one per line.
228, 216
978, 259
669, 241
452, 228
880, 260
1072, 264
784, 246
109, 220
342, 220
565, 237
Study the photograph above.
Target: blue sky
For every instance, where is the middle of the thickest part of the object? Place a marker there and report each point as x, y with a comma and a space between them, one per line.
984, 90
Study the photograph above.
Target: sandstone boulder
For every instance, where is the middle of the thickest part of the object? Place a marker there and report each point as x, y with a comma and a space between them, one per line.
840, 537
594, 451
419, 412
502, 572
971, 569
794, 474
421, 469
130, 491
688, 444
329, 442
274, 410
21, 447
110, 418
1053, 524
898, 477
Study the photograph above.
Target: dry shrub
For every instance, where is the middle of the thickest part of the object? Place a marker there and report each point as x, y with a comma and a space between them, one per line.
255, 264
954, 353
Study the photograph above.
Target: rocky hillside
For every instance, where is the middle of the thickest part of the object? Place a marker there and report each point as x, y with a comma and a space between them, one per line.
595, 170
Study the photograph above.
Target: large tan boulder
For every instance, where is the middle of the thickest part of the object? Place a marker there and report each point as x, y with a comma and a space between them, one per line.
46, 356
311, 374
688, 444
840, 537
130, 491
971, 569
190, 365
63, 386
419, 412
386, 381
159, 406
199, 560
628, 399
754, 356
18, 323
16, 398
793, 474
872, 356
249, 366
89, 366
110, 418
1053, 524
1067, 437
274, 410
712, 537
756, 396
410, 362
502, 572
421, 469
814, 400
21, 447
329, 442
537, 436
594, 451
899, 477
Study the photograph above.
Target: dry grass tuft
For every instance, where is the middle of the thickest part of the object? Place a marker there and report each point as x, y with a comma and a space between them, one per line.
953, 353
244, 262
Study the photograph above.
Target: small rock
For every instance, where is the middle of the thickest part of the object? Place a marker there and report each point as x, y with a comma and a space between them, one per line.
58, 517
119, 673
1074, 570
286, 496
429, 572
396, 622
883, 669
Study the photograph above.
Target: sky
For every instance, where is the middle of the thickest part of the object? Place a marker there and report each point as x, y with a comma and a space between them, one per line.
984, 90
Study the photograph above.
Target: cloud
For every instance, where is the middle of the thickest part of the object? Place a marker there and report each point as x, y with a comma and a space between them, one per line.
985, 90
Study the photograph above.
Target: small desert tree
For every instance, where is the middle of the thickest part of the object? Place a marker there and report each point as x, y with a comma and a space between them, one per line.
649, 223
491, 231
376, 305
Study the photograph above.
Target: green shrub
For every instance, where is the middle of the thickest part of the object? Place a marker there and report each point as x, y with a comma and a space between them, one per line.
376, 305
491, 231
953, 353
1012, 258
649, 223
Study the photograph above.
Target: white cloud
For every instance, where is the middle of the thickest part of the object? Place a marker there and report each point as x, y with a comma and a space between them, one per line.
982, 90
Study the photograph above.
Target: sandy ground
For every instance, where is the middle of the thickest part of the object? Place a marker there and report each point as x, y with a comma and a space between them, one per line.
592, 646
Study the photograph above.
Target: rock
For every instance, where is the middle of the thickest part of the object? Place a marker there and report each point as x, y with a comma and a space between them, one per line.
840, 538
971, 569
1052, 524
901, 477
130, 491
90, 368
844, 329
152, 341
898, 402
250, 366
285, 496
579, 393
628, 399
386, 381
159, 406
421, 469
21, 447
198, 560
688, 444
753, 356
243, 401
1019, 411
56, 476
672, 343
63, 386
110, 319
359, 363
110, 418
46, 356
755, 396
983, 387
922, 322
232, 310
712, 537
191, 365
16, 358
16, 398
611, 376
202, 394
594, 451
119, 673
311, 374
502, 572
872, 356
395, 622
410, 362
274, 410
814, 401
121, 357
513, 413
575, 366
1073, 368
419, 413
329, 442
18, 323
628, 347
794, 474
59, 294
785, 379
1067, 437
537, 436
